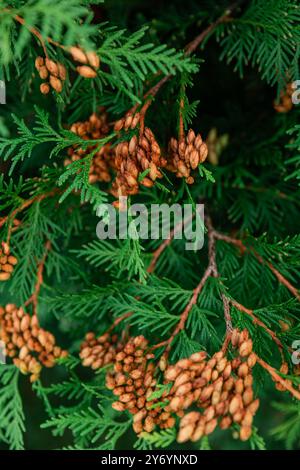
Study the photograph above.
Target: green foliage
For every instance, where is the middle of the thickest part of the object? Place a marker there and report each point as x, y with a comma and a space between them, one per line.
130, 59
251, 193
42, 133
267, 36
29, 247
51, 20
289, 430
295, 160
12, 425
156, 440
124, 256
90, 424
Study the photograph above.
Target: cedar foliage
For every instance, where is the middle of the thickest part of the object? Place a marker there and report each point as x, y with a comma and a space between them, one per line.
250, 191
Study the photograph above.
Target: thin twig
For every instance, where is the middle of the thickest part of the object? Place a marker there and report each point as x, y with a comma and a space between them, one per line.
189, 49
158, 252
11, 217
181, 125
243, 248
34, 298
215, 273
257, 321
119, 320
184, 316
277, 378
36, 33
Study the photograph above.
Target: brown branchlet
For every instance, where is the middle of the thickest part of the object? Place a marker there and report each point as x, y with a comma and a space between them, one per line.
96, 127
7, 262
54, 72
285, 103
30, 346
98, 352
185, 155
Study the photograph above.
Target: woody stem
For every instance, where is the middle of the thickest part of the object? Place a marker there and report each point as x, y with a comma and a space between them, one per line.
278, 378
243, 248
34, 298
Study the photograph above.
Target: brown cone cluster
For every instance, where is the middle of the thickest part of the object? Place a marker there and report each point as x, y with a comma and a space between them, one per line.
141, 154
285, 103
98, 352
53, 72
222, 388
186, 154
96, 127
7, 262
90, 61
133, 382
30, 346
137, 161
130, 121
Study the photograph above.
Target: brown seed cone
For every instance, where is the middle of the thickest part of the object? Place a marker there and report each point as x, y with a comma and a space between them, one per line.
93, 59
78, 55
52, 67
62, 72
44, 88
185, 156
4, 276
245, 433
98, 352
56, 83
246, 348
96, 127
285, 104
7, 262
133, 158
43, 72
39, 62
86, 71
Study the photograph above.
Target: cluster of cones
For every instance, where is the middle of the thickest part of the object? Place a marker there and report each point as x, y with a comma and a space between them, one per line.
221, 388
137, 161
186, 154
53, 72
285, 103
7, 262
90, 61
96, 127
133, 382
98, 352
30, 346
